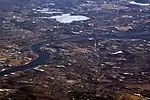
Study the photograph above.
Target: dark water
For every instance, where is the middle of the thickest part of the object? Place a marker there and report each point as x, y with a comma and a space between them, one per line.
142, 1
44, 57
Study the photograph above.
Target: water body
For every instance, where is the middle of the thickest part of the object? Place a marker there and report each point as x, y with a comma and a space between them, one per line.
140, 2
67, 18
62, 18
44, 57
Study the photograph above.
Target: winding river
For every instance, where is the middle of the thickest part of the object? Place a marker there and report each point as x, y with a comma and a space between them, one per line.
43, 57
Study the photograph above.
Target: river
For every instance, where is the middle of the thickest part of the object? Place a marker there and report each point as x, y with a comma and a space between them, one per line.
43, 57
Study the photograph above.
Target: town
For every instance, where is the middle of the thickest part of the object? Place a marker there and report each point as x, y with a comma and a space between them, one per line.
74, 50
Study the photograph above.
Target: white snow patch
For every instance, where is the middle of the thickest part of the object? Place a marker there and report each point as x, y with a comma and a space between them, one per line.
60, 66
46, 11
3, 69
5, 75
51, 12
127, 16
38, 69
2, 90
12, 73
140, 4
90, 39
41, 10
137, 94
128, 73
118, 52
75, 32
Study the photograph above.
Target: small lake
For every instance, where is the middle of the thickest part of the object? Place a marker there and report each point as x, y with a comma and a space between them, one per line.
67, 18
